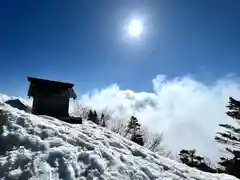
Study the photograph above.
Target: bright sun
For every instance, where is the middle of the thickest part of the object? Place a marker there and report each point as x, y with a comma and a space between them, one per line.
135, 28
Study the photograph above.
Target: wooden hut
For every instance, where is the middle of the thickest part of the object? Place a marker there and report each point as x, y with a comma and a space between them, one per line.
50, 97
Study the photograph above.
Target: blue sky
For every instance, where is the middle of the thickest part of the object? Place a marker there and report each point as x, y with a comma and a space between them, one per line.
83, 42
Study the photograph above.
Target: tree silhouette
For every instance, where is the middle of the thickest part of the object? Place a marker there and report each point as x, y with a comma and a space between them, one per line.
102, 120
95, 117
190, 158
92, 116
133, 128
231, 138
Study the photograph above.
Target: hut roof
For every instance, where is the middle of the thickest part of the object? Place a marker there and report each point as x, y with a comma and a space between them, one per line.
50, 87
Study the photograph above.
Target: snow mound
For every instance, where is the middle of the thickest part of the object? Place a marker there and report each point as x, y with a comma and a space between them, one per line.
4, 97
42, 147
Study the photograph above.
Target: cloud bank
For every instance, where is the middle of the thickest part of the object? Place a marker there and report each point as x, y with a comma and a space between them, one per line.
186, 110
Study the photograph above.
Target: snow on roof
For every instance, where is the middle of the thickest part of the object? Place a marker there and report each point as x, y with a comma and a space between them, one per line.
41, 147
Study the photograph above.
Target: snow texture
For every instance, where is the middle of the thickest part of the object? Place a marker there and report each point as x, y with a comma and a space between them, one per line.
42, 147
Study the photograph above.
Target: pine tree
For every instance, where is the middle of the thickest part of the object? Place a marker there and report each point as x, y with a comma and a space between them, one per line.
90, 115
104, 124
133, 127
231, 138
190, 158
102, 120
95, 117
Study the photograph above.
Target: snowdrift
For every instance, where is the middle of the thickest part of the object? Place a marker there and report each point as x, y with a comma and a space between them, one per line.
41, 147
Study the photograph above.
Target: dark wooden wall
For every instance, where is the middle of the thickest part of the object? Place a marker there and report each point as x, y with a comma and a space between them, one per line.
56, 106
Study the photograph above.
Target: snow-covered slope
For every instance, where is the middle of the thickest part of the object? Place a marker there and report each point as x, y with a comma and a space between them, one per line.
33, 147
4, 97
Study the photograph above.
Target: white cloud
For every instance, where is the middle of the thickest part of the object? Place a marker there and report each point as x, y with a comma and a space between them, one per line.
186, 110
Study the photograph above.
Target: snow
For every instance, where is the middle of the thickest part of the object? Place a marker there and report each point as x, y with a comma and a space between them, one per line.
41, 147
26, 102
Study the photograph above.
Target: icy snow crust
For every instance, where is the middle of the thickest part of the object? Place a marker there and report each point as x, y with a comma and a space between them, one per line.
34, 147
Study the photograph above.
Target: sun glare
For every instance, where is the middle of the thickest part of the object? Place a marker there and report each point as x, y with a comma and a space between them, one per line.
135, 28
